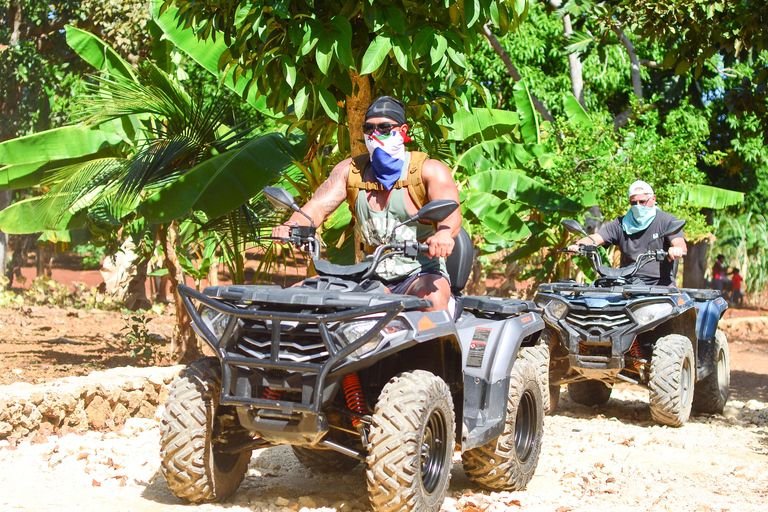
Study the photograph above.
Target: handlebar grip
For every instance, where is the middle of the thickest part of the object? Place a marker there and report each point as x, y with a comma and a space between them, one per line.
424, 248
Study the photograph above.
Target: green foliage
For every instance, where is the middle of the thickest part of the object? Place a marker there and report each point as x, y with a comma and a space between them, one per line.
142, 343
92, 255
44, 290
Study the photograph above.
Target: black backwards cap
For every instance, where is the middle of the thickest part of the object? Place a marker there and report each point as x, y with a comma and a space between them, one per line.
387, 106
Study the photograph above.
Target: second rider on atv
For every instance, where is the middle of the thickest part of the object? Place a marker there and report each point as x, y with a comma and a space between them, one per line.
634, 232
395, 184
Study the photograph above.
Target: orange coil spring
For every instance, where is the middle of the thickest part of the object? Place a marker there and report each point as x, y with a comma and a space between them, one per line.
637, 352
271, 394
353, 391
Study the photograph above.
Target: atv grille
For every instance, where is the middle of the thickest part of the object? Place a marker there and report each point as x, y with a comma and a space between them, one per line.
299, 342
595, 322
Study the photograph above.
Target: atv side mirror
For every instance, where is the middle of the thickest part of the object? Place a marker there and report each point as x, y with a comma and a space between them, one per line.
280, 198
673, 227
433, 211
574, 227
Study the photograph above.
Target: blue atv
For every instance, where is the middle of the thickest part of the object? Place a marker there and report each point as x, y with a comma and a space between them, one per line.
618, 330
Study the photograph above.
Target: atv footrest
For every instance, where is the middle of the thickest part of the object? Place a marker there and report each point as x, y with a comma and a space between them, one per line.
498, 305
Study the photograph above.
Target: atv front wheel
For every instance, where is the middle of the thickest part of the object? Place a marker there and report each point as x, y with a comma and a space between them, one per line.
193, 434
589, 392
539, 356
711, 393
508, 462
411, 444
671, 380
329, 461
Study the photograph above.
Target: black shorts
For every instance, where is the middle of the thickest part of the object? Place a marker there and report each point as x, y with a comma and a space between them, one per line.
400, 287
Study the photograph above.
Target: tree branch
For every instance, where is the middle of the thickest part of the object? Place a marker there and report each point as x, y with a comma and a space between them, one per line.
637, 82
512, 71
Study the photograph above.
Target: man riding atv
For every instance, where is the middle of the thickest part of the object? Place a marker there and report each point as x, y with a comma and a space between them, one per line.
633, 232
384, 174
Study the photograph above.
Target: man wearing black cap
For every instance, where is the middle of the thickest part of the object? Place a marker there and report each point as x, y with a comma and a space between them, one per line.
394, 183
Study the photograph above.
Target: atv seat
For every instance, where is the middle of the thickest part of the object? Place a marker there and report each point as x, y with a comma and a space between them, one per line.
459, 263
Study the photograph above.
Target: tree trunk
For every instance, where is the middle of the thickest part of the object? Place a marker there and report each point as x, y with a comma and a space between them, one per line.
356, 108
695, 262
575, 67
136, 293
5, 201
184, 347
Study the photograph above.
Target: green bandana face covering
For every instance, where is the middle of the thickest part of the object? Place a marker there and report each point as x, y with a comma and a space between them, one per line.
638, 218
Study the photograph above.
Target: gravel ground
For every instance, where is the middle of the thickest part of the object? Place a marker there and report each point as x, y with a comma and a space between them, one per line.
592, 459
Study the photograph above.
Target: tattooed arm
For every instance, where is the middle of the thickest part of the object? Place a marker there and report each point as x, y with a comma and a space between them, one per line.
329, 196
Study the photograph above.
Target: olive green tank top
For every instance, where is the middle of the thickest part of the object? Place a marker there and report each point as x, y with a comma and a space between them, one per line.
373, 228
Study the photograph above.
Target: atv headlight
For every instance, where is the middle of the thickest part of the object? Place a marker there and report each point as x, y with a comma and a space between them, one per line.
214, 320
647, 314
353, 331
556, 309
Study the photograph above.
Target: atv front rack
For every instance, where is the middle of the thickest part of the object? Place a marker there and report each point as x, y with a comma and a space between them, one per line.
230, 361
626, 290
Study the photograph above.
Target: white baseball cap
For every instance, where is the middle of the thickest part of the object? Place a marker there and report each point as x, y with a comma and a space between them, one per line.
640, 187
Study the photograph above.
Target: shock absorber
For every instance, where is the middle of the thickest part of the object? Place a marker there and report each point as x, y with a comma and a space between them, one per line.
636, 352
271, 394
353, 392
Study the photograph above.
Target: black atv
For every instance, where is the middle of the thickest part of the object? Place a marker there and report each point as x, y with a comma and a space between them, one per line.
618, 329
346, 372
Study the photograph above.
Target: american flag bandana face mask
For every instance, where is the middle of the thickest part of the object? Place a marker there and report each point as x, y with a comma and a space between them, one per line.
387, 156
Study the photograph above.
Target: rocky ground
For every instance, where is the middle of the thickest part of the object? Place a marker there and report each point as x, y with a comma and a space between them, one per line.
592, 459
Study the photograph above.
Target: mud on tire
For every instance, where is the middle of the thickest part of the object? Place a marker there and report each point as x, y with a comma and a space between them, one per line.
411, 444
324, 460
711, 393
194, 467
671, 380
539, 357
509, 461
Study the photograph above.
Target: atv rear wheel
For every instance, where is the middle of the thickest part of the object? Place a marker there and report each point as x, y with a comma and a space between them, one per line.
193, 432
411, 444
671, 380
711, 393
539, 356
589, 392
329, 461
508, 462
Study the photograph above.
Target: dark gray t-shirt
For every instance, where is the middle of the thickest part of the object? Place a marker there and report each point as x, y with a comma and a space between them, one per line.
631, 246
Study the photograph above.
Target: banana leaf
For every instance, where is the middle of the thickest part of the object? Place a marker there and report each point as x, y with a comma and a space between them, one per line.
529, 121
206, 53
221, 184
704, 196
520, 188
23, 218
496, 214
481, 124
57, 144
97, 53
576, 113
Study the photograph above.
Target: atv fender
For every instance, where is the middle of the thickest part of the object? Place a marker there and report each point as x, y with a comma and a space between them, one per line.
489, 351
707, 318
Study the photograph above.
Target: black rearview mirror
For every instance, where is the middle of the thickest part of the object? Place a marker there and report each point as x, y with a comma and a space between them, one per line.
435, 211
280, 198
573, 226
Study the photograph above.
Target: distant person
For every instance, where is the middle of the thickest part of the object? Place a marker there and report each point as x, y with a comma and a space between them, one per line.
636, 231
718, 272
736, 280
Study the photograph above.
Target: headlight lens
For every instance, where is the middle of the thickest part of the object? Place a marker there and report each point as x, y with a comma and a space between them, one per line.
214, 320
556, 309
647, 314
353, 331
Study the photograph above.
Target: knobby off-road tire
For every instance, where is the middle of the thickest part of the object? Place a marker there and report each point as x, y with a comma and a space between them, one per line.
711, 393
589, 392
671, 380
411, 444
193, 466
509, 461
324, 460
539, 357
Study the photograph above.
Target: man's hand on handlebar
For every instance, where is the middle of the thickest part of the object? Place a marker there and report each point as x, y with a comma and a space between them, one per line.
284, 230
440, 244
675, 253
574, 248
